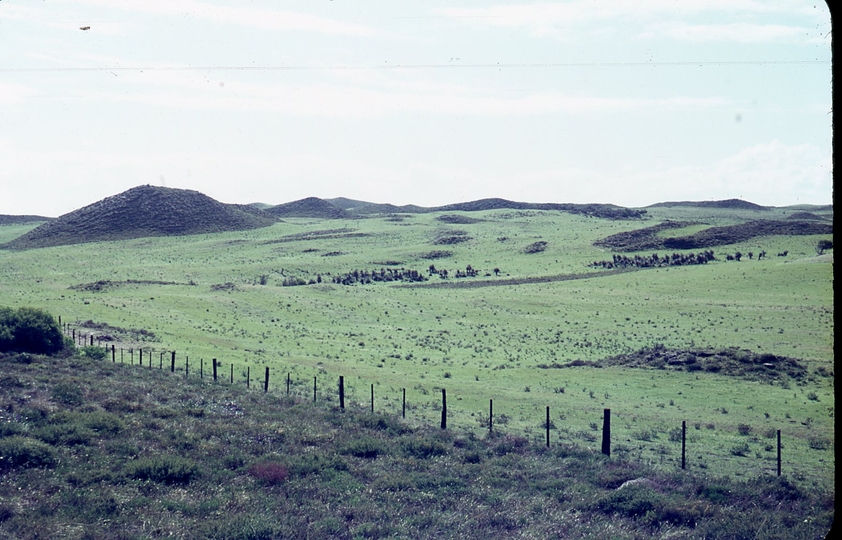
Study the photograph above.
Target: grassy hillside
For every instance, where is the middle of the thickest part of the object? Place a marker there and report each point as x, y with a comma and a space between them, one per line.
95, 449
485, 337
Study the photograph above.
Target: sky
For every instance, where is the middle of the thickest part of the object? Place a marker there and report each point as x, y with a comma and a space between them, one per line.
427, 103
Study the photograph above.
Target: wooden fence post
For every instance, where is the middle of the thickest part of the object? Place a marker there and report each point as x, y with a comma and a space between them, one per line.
92, 340
403, 406
74, 336
490, 415
186, 366
161, 361
548, 426
140, 357
232, 372
314, 388
201, 368
779, 452
113, 354
172, 364
248, 376
443, 408
266, 381
606, 432
372, 397
214, 370
342, 392
683, 444
287, 383
121, 355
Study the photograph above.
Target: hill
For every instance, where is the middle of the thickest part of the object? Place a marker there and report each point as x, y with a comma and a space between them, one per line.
151, 453
734, 204
311, 207
19, 220
141, 212
608, 211
648, 239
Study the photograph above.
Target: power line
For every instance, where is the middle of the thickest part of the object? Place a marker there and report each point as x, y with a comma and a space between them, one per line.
425, 66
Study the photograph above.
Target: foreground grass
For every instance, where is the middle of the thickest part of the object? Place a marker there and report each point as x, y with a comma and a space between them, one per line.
93, 449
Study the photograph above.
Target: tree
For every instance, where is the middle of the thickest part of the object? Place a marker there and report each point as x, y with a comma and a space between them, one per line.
823, 245
29, 330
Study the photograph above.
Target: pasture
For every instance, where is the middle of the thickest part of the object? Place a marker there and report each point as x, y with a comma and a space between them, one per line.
222, 296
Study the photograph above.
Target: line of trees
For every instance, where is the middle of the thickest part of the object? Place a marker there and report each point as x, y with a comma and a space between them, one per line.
383, 275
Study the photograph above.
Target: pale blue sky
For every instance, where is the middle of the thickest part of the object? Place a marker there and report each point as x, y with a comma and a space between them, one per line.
428, 103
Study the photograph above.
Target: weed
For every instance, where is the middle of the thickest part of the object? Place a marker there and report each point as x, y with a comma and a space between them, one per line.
269, 472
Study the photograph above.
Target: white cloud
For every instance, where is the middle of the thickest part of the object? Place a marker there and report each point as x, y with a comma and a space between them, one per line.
563, 18
734, 32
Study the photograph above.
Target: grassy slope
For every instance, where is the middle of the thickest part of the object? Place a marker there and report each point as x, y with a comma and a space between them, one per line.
488, 340
118, 451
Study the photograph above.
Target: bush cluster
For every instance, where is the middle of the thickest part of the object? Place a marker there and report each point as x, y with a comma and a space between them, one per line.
29, 330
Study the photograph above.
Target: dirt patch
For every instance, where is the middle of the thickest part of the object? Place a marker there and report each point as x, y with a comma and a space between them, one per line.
106, 284
106, 332
733, 362
457, 219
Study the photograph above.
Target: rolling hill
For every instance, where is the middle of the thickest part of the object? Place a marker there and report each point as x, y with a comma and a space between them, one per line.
140, 212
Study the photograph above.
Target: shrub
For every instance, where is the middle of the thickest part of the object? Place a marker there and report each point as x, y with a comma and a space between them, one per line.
740, 450
423, 449
64, 434
25, 452
364, 447
29, 330
163, 469
67, 394
744, 429
633, 501
269, 472
94, 353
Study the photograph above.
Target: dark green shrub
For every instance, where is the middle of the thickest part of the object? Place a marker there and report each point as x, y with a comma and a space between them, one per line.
68, 394
29, 330
364, 447
384, 423
64, 434
423, 449
634, 501
163, 469
94, 353
10, 429
25, 452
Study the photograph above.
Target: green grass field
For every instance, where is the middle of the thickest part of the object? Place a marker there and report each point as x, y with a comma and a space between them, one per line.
481, 342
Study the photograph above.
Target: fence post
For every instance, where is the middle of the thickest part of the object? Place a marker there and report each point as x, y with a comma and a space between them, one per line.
140, 357
172, 364
74, 336
403, 407
443, 408
342, 392
186, 366
548, 426
92, 340
683, 444
201, 368
372, 397
113, 354
214, 370
779, 452
161, 361
490, 415
248, 376
121, 355
287, 383
606, 432
232, 372
266, 381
